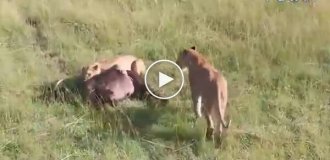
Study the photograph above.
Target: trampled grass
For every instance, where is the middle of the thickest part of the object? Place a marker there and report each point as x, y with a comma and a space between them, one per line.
276, 57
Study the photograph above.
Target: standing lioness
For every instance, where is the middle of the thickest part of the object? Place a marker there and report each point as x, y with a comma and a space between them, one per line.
208, 90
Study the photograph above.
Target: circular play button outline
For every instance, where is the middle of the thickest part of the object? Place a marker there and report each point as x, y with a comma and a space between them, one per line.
146, 81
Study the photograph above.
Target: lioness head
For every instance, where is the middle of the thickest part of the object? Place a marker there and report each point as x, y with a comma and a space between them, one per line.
186, 57
90, 71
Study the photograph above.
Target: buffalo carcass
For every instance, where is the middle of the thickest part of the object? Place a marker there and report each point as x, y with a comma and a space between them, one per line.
112, 86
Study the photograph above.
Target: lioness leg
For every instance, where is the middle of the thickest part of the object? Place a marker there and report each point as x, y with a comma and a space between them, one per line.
216, 117
225, 124
210, 127
219, 131
197, 107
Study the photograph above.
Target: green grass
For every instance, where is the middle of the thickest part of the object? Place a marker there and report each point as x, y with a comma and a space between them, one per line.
275, 56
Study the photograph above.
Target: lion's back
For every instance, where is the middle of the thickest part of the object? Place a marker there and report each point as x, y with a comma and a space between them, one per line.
124, 62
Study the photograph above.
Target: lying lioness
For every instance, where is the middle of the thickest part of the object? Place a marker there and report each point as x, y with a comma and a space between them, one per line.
124, 62
208, 91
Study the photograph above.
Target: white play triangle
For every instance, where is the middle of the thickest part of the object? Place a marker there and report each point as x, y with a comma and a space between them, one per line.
163, 79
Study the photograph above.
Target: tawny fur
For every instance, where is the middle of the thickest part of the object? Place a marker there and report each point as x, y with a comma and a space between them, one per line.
208, 90
138, 67
124, 62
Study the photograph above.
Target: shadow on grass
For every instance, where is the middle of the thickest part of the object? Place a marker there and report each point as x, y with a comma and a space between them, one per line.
71, 91
143, 124
68, 91
121, 118
132, 121
143, 121
139, 120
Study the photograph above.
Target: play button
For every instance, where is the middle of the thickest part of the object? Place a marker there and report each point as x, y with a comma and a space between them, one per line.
164, 79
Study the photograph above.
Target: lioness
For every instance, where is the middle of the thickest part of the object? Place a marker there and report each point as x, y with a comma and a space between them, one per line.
208, 91
124, 62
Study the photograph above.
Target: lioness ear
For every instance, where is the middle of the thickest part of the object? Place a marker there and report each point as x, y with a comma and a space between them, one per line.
83, 69
95, 67
193, 47
116, 66
134, 66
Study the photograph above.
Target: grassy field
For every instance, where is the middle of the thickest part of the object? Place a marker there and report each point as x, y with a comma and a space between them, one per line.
276, 57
